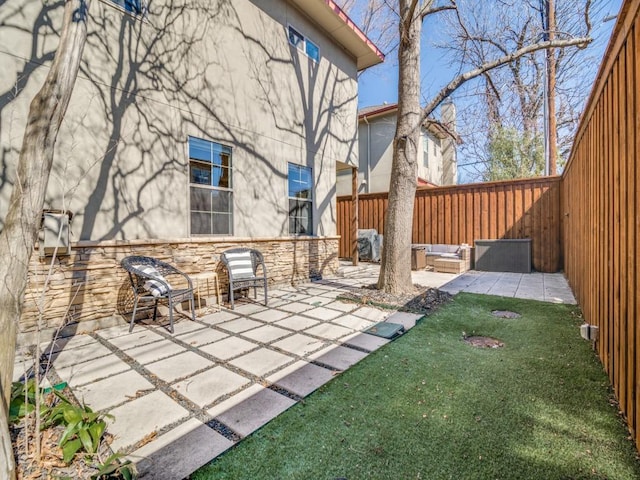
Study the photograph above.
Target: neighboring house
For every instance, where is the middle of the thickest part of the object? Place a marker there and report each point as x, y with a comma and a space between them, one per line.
203, 123
376, 128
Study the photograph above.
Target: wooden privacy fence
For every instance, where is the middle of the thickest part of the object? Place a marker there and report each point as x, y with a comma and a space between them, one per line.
528, 208
601, 202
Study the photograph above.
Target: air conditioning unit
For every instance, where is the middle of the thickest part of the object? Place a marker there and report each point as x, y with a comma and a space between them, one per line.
54, 235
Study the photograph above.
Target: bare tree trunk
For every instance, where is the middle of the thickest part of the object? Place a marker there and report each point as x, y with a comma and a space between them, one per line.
17, 240
395, 269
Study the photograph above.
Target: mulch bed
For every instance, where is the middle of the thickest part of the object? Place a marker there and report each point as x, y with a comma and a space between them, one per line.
421, 300
50, 464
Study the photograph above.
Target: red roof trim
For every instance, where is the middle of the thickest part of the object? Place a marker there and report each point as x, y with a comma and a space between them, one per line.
350, 23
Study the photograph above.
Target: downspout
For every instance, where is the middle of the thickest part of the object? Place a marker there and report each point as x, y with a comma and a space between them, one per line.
368, 170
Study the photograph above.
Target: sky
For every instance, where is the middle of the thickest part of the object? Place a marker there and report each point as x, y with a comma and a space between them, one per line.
379, 85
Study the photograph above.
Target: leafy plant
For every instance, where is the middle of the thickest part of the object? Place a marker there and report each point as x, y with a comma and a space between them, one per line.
113, 469
23, 400
84, 427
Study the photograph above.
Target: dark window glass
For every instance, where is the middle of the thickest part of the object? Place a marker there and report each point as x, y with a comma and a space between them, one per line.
295, 38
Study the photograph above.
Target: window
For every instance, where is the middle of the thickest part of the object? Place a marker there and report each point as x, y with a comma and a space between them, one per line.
425, 149
300, 200
137, 7
304, 44
210, 188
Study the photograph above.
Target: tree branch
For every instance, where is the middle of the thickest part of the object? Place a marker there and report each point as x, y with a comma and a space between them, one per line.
471, 74
427, 10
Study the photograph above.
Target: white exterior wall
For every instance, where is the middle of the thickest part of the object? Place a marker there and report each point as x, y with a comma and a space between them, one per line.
219, 70
375, 140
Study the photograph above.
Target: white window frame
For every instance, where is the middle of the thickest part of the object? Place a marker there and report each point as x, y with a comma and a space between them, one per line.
304, 44
309, 200
204, 186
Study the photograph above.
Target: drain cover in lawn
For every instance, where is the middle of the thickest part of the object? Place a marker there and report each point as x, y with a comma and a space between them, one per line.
385, 330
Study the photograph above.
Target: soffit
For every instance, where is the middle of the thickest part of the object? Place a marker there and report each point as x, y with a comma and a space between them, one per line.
330, 17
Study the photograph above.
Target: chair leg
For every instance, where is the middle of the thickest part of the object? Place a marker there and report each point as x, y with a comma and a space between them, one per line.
231, 297
192, 301
155, 310
170, 315
133, 315
265, 293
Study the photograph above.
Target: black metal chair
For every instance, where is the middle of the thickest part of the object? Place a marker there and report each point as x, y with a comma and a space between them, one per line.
242, 265
150, 281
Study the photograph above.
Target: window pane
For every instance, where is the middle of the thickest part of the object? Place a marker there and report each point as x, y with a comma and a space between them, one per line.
200, 149
295, 38
200, 223
222, 223
220, 201
312, 50
221, 177
300, 217
200, 173
200, 199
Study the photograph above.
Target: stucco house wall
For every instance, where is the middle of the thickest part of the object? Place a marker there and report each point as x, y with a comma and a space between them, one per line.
218, 70
375, 158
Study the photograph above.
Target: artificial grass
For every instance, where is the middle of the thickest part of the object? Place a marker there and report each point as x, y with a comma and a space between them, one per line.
429, 406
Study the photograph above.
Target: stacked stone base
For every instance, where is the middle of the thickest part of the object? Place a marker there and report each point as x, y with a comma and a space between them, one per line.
88, 289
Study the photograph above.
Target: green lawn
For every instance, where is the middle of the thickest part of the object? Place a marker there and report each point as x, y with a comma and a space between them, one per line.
428, 406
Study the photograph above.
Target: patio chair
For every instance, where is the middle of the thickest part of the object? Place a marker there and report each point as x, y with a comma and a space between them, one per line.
242, 265
149, 279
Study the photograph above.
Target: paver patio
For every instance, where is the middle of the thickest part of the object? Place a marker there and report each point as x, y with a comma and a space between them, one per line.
180, 400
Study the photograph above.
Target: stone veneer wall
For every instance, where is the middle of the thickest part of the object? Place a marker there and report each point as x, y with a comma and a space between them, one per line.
88, 289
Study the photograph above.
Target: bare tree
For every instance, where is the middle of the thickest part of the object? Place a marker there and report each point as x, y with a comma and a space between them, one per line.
18, 236
395, 271
515, 93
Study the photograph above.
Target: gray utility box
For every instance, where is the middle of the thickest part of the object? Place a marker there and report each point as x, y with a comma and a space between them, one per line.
507, 255
54, 235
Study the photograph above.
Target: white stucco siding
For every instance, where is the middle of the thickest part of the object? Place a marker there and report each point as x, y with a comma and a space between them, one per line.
223, 71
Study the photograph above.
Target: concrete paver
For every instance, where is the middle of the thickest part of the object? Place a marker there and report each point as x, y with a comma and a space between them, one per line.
121, 387
239, 325
84, 353
259, 405
321, 313
300, 344
302, 378
353, 322
328, 331
179, 452
229, 347
202, 337
135, 420
270, 315
135, 339
208, 386
339, 358
297, 323
152, 352
266, 334
178, 366
91, 371
261, 361
295, 307
217, 367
